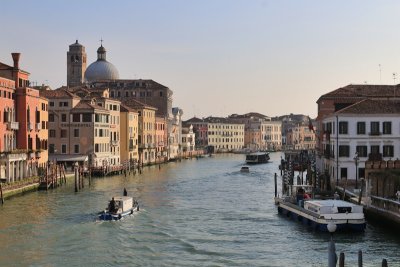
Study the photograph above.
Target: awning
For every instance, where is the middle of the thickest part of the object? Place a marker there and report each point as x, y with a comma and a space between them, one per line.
53, 157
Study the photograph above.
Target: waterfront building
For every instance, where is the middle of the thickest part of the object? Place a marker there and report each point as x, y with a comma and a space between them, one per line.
129, 135
161, 137
146, 130
200, 129
103, 74
300, 137
188, 140
343, 97
79, 127
366, 130
261, 132
223, 134
175, 136
24, 113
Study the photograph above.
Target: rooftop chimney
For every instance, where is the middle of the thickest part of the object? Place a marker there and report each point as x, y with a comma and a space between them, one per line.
15, 57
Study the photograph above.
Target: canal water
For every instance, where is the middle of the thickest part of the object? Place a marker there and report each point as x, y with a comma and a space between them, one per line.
201, 212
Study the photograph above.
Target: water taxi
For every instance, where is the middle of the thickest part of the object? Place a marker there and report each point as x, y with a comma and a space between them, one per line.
118, 208
244, 169
257, 157
317, 213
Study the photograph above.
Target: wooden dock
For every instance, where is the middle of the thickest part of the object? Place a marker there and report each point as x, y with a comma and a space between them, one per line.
54, 177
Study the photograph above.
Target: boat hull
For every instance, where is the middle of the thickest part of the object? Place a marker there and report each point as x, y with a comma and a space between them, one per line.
108, 216
319, 222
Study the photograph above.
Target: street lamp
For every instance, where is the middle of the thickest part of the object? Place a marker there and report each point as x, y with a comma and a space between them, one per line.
332, 258
356, 161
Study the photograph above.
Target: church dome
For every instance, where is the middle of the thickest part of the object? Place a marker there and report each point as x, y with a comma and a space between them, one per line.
101, 69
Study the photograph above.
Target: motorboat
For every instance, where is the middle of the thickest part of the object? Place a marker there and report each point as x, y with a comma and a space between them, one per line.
257, 157
245, 169
122, 206
317, 213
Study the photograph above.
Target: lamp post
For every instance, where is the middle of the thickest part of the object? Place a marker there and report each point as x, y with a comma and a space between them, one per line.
332, 258
356, 161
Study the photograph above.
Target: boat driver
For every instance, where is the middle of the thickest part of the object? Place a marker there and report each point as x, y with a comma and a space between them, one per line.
111, 207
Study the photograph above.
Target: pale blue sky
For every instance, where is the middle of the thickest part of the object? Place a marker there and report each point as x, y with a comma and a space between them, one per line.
218, 56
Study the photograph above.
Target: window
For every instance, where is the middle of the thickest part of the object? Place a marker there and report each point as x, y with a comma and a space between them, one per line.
87, 117
361, 127
63, 133
343, 127
76, 149
76, 132
161, 93
51, 148
52, 133
388, 151
96, 147
374, 149
344, 151
63, 149
387, 127
51, 117
76, 117
126, 93
362, 151
343, 173
63, 117
375, 128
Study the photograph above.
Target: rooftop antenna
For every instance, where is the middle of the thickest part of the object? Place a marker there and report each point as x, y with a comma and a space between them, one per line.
394, 78
101, 41
380, 74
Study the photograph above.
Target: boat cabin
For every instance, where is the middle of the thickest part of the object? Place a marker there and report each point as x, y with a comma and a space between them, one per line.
123, 203
331, 206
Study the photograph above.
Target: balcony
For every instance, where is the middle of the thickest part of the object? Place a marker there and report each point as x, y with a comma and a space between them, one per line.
38, 154
131, 148
38, 126
29, 126
13, 125
31, 155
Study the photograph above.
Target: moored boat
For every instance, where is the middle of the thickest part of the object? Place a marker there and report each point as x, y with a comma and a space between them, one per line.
317, 213
257, 157
118, 208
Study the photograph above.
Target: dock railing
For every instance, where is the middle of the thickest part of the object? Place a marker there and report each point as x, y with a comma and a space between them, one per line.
386, 204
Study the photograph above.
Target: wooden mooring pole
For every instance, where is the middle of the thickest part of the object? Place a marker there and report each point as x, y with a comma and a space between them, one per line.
76, 178
1, 192
276, 185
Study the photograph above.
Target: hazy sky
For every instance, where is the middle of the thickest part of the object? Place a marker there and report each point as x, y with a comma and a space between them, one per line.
218, 56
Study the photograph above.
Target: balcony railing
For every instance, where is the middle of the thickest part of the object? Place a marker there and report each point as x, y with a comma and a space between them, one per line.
131, 148
38, 126
14, 125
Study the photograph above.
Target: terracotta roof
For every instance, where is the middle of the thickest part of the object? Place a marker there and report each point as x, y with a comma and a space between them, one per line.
125, 108
57, 93
194, 119
132, 103
363, 90
127, 83
370, 106
83, 104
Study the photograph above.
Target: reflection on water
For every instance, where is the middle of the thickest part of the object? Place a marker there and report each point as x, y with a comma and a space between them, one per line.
194, 213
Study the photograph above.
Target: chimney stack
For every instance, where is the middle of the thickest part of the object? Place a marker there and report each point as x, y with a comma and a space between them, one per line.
15, 57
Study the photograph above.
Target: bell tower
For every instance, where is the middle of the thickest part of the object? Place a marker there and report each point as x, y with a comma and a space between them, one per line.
76, 64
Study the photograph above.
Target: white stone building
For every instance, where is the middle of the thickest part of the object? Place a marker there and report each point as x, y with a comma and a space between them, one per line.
366, 130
